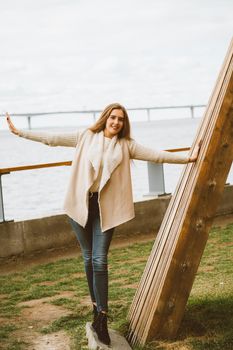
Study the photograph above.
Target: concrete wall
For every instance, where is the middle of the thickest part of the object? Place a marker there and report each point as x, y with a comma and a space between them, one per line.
26, 237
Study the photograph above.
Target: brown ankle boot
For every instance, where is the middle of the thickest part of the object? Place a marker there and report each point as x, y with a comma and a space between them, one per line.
95, 315
101, 328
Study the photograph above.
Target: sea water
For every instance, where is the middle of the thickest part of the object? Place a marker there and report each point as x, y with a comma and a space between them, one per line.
40, 192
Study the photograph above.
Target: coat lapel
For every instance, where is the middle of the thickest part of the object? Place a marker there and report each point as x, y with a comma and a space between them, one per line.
112, 160
95, 152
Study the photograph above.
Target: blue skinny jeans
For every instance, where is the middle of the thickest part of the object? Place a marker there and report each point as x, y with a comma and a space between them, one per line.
95, 245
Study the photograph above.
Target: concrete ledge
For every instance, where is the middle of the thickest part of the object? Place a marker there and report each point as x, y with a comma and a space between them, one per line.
118, 342
25, 237
31, 236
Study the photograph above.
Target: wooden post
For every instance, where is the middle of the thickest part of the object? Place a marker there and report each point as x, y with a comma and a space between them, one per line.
160, 300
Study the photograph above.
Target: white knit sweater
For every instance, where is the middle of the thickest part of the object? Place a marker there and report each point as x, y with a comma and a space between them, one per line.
70, 139
115, 188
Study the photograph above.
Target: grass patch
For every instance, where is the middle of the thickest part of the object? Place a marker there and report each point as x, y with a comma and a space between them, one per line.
17, 345
6, 330
207, 323
7, 342
69, 303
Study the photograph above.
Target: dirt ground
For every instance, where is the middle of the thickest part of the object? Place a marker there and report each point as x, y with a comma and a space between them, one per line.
40, 313
22, 263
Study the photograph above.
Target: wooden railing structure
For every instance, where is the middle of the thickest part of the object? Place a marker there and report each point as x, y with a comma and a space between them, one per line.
5, 171
159, 303
155, 175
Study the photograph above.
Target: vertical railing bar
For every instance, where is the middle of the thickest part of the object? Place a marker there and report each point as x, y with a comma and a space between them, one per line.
2, 215
156, 181
163, 179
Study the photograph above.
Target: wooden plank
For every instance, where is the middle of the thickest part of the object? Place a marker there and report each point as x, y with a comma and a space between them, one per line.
31, 167
160, 300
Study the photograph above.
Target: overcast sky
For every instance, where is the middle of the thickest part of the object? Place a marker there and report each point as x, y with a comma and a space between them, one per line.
74, 54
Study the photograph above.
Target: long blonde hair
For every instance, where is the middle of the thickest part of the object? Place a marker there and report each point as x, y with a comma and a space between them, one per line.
101, 122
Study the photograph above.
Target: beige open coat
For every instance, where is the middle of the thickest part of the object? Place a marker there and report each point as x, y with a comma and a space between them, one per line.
115, 192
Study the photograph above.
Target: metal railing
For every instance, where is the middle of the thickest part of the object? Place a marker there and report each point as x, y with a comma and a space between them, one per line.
94, 112
155, 177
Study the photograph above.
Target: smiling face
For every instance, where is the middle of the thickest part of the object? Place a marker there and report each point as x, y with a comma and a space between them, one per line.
114, 123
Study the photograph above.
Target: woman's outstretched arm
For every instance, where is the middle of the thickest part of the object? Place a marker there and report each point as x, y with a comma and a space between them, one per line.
50, 139
140, 152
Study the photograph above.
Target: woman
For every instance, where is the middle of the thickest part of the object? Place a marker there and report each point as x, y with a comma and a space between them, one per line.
99, 195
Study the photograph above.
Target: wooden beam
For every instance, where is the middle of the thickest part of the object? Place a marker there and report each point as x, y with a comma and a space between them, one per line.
159, 303
31, 167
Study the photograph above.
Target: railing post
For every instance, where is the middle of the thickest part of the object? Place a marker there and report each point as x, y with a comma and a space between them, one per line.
2, 216
155, 179
148, 114
192, 111
94, 116
29, 122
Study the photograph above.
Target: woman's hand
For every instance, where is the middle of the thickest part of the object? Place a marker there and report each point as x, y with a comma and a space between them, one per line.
11, 125
195, 153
